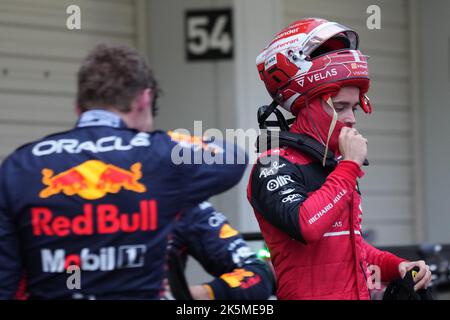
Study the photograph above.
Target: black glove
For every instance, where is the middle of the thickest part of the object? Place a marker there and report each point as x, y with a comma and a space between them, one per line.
403, 289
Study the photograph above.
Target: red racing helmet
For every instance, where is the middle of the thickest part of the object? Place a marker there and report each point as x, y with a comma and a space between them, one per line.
310, 58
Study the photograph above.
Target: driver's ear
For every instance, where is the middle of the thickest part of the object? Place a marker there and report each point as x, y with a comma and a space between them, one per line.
144, 99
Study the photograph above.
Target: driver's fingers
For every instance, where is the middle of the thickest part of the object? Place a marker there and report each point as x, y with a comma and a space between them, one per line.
424, 281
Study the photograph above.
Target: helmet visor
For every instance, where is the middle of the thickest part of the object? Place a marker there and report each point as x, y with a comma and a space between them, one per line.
326, 31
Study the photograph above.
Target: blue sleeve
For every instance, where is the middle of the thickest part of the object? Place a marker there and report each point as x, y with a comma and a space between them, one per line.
206, 166
220, 249
10, 262
254, 281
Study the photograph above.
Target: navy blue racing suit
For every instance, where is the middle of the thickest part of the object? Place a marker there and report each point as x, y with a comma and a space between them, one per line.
102, 197
206, 235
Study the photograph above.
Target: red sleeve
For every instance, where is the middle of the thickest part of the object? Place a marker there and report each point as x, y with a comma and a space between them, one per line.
387, 262
322, 207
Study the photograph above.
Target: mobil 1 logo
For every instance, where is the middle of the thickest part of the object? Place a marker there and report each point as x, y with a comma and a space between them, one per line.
209, 34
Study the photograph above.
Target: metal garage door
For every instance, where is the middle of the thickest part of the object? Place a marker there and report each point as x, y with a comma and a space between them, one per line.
39, 58
387, 187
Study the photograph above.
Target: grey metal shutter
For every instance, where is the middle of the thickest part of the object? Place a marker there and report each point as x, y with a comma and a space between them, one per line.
39, 58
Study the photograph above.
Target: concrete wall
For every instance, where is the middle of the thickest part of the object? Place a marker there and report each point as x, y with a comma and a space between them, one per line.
192, 91
435, 114
224, 95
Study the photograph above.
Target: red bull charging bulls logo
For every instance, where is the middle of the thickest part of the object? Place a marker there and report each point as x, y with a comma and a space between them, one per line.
91, 180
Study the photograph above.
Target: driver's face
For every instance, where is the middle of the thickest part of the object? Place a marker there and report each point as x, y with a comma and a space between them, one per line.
345, 103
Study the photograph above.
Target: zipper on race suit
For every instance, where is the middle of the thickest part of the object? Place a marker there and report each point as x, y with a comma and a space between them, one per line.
352, 240
365, 277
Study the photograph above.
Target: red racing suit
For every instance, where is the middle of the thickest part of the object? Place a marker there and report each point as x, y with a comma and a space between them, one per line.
310, 217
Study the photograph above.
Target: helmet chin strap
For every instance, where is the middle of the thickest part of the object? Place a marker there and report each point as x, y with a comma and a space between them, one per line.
330, 130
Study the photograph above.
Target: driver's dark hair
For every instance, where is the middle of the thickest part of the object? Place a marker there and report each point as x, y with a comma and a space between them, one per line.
110, 77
